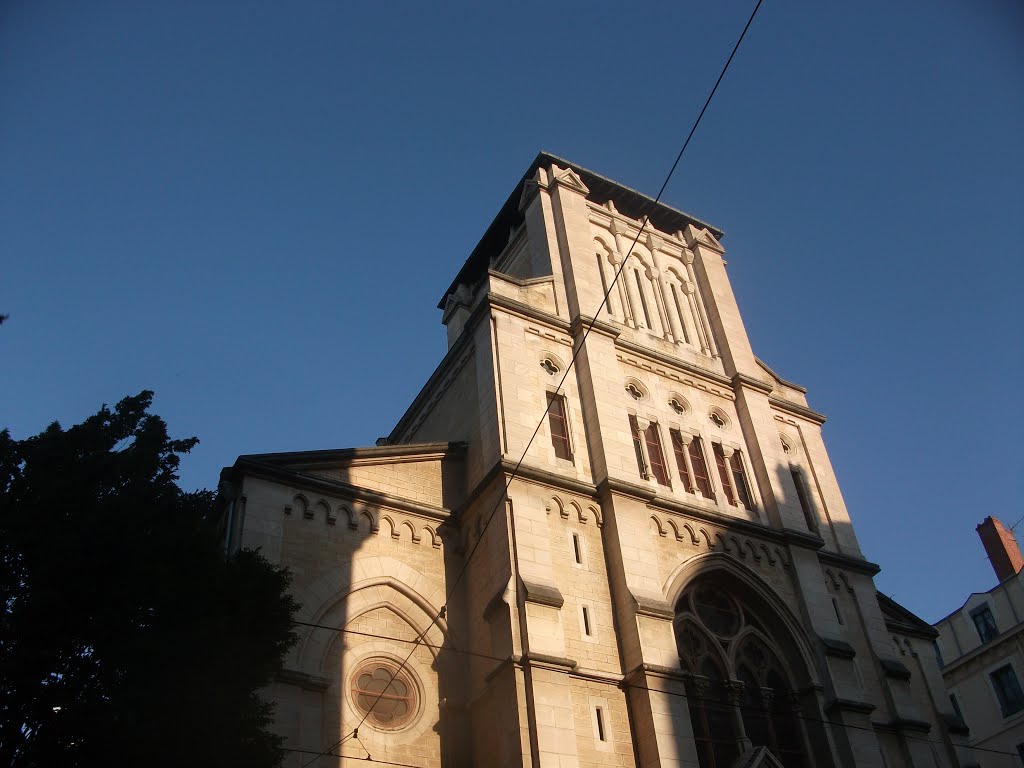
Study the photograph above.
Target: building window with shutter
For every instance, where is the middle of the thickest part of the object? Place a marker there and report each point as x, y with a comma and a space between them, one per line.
650, 458
558, 426
679, 449
701, 476
985, 623
739, 480
655, 454
1007, 688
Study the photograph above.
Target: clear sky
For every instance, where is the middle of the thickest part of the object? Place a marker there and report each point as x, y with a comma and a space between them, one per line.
253, 209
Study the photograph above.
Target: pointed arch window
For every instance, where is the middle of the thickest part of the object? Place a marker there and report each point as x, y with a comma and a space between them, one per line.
739, 689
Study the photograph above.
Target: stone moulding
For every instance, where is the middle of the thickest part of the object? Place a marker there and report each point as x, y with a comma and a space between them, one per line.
837, 648
542, 594
850, 705
304, 680
653, 607
894, 669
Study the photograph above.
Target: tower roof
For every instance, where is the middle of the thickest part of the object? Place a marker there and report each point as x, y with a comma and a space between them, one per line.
628, 201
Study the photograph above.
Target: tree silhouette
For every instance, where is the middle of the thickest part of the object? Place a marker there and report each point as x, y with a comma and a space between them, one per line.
127, 636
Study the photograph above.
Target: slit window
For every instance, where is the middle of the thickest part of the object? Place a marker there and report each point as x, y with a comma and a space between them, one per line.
604, 284
634, 428
599, 719
587, 629
643, 299
805, 502
576, 549
558, 426
679, 312
839, 616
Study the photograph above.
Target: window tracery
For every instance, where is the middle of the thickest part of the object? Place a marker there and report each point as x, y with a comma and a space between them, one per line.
740, 689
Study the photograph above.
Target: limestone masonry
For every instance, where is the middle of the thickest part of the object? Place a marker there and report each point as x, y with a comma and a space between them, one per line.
671, 577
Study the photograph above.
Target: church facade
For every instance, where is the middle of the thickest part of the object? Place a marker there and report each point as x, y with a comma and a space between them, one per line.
664, 573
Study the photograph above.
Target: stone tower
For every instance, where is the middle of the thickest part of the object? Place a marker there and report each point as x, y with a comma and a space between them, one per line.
667, 575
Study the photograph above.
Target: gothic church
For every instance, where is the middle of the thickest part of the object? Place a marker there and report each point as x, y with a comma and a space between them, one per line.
669, 577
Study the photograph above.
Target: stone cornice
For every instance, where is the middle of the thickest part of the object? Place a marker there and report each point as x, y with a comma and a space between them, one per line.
839, 648
461, 346
612, 485
346, 457
672, 362
338, 488
542, 594
894, 669
527, 472
644, 671
848, 563
580, 322
494, 300
742, 380
989, 648
519, 281
899, 725
797, 410
849, 705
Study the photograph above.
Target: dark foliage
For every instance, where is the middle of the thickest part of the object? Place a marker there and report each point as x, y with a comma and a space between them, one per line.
127, 637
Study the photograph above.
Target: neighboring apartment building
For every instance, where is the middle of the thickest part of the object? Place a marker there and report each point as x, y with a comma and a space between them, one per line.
668, 577
981, 651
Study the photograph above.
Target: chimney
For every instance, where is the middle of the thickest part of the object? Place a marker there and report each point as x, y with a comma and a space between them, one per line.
1001, 546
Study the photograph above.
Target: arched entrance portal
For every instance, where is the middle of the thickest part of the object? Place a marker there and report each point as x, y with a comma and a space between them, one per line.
745, 673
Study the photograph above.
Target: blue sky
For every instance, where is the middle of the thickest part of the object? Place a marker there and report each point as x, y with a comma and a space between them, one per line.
253, 209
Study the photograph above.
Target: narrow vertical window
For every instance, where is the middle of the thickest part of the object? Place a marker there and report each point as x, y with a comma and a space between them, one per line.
577, 552
739, 478
599, 717
637, 447
586, 622
701, 476
679, 312
839, 616
558, 427
604, 284
655, 454
680, 451
805, 503
723, 472
643, 298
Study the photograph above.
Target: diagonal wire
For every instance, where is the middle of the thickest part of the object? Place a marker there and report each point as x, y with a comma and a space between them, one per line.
604, 301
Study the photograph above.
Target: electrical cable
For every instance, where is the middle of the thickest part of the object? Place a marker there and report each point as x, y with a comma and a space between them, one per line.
623, 686
644, 220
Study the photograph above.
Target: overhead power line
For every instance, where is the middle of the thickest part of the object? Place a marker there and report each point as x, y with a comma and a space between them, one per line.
648, 208
621, 684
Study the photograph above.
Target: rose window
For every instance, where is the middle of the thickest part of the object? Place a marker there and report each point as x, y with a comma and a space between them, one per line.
385, 694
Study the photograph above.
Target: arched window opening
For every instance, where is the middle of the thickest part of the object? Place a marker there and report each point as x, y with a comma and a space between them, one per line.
740, 689
715, 731
643, 299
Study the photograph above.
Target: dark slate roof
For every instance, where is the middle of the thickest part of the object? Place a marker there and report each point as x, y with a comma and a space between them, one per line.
628, 201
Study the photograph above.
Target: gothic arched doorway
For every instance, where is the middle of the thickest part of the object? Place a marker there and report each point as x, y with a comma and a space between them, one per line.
744, 673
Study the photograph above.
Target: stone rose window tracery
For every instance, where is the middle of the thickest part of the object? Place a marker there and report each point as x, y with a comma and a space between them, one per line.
385, 694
